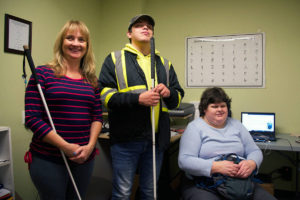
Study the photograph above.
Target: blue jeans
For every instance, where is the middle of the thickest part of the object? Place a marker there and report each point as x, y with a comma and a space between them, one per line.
53, 182
129, 157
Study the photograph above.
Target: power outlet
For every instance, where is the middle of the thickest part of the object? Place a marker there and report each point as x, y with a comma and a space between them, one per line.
286, 173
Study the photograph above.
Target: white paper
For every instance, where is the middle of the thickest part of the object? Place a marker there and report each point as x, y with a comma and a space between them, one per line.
18, 35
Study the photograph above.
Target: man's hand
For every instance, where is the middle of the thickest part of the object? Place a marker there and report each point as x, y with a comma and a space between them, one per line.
149, 98
162, 90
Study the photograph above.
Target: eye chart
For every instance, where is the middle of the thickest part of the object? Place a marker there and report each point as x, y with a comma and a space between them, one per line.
225, 61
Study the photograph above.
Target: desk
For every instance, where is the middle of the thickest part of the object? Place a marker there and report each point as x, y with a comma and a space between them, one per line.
285, 142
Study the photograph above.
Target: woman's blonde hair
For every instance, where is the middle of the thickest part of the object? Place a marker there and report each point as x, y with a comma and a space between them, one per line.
87, 63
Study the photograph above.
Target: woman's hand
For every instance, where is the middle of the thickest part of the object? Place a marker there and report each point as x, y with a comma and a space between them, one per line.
56, 140
82, 154
246, 167
69, 149
225, 167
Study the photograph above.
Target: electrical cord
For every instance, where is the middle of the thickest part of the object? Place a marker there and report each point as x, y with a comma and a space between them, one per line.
267, 149
105, 127
37, 196
288, 142
280, 152
298, 139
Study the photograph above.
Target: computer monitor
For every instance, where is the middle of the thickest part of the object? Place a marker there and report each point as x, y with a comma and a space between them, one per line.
257, 122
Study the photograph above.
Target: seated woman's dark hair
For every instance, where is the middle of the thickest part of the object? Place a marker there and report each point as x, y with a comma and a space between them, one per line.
213, 95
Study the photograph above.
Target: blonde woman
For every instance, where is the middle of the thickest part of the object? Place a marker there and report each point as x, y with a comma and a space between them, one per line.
70, 87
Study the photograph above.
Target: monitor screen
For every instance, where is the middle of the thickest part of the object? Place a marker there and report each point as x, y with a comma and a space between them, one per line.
258, 122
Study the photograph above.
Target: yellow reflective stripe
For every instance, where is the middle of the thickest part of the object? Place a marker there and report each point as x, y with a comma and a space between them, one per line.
138, 87
116, 70
107, 94
124, 67
164, 109
107, 98
179, 99
134, 88
162, 60
164, 106
104, 91
167, 68
113, 56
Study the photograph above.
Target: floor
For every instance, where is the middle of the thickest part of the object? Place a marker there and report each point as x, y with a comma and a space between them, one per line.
100, 189
286, 195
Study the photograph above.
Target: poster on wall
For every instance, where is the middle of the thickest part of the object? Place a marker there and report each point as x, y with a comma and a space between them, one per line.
226, 61
18, 33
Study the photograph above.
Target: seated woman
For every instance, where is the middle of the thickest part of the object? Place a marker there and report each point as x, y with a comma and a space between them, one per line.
209, 137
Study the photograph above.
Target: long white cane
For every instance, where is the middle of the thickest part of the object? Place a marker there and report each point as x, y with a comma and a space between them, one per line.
153, 115
32, 67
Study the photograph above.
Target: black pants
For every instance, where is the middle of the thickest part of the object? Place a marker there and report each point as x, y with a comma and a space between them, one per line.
189, 191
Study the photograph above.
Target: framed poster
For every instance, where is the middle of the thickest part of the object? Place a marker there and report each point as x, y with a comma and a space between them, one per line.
226, 61
18, 32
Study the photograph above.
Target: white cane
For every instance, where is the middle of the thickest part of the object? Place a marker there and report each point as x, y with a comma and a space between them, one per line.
32, 67
153, 114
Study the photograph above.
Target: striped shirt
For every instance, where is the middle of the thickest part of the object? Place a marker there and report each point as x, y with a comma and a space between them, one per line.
73, 103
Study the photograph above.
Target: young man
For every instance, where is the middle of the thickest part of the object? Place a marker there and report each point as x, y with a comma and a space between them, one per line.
126, 90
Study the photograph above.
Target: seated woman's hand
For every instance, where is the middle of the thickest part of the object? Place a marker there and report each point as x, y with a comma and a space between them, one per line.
225, 167
246, 167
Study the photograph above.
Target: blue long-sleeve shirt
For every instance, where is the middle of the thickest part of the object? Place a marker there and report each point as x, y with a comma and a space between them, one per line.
201, 144
73, 103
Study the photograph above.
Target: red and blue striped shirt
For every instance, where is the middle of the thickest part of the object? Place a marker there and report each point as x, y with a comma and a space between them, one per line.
73, 103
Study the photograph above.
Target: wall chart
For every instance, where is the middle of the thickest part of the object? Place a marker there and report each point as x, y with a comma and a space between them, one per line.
226, 61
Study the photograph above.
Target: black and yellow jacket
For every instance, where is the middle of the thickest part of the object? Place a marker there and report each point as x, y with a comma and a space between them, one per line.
120, 89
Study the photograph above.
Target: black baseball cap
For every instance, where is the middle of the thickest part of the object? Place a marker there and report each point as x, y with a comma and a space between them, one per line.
139, 18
